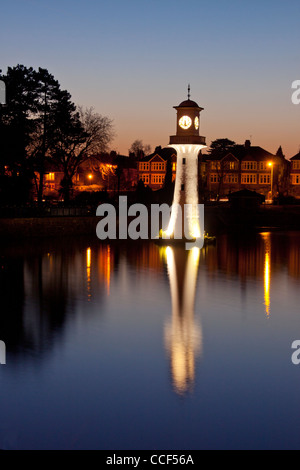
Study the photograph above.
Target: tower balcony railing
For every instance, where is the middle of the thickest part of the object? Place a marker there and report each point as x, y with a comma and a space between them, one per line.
188, 139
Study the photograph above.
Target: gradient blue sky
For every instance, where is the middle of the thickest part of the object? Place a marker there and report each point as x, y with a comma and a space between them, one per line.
132, 61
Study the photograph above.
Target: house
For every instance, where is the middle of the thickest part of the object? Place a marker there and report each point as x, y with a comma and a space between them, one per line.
295, 176
52, 179
245, 167
109, 171
152, 168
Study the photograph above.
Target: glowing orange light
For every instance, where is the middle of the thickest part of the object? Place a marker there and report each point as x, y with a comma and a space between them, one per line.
267, 272
88, 271
88, 257
108, 259
90, 177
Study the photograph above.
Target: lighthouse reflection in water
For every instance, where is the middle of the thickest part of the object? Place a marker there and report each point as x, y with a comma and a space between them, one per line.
183, 337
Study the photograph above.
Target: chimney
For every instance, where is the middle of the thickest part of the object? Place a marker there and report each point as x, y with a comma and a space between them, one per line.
247, 144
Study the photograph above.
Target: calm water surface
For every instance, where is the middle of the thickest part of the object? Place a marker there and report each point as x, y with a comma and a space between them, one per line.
131, 346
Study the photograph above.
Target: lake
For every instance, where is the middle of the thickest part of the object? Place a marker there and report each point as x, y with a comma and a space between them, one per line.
131, 346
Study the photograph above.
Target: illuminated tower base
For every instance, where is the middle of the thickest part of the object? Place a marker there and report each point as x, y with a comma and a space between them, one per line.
186, 193
185, 218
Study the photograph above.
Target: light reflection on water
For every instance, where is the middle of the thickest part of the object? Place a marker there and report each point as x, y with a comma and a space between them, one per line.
110, 345
267, 270
182, 335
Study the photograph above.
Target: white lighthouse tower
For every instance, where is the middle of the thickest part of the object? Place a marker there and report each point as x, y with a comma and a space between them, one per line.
187, 142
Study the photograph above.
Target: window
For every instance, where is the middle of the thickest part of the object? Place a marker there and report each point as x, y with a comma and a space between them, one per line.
295, 179
174, 167
215, 165
265, 179
296, 165
214, 178
182, 187
158, 166
249, 166
145, 179
50, 177
144, 166
231, 179
157, 179
263, 166
249, 179
232, 165
183, 161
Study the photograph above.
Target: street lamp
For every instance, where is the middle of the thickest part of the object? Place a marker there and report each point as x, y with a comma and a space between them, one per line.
271, 165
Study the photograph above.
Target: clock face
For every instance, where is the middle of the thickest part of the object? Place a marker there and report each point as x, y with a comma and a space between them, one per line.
185, 122
196, 123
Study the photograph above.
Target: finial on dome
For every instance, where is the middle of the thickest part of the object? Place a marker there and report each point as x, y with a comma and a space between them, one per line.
189, 91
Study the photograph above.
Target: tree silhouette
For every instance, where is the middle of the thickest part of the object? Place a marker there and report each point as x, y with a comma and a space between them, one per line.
36, 109
220, 147
16, 128
139, 149
55, 111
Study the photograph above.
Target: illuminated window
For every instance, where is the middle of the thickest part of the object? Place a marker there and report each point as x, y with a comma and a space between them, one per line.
265, 179
157, 179
158, 166
296, 179
249, 166
50, 177
144, 166
174, 167
214, 178
215, 165
145, 179
249, 179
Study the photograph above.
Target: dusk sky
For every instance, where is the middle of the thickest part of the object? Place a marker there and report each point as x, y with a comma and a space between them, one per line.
132, 60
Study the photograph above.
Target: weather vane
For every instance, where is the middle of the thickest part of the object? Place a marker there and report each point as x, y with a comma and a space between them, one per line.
189, 91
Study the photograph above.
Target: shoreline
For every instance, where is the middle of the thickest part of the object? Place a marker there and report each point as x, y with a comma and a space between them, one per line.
218, 219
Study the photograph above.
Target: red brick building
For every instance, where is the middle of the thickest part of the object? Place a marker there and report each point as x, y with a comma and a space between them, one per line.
295, 176
247, 167
109, 172
152, 168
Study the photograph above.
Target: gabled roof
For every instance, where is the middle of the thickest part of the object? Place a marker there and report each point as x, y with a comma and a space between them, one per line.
163, 153
257, 153
230, 157
244, 153
296, 157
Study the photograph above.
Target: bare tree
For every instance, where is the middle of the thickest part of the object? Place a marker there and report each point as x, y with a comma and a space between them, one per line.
89, 134
99, 130
139, 149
